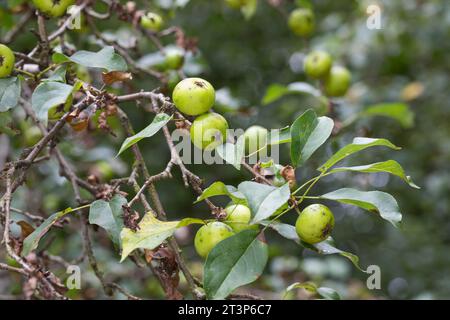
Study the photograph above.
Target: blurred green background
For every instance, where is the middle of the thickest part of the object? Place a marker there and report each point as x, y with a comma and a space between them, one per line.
406, 61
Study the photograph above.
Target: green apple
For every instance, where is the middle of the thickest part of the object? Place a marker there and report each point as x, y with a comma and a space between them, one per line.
255, 139
301, 22
7, 60
337, 82
315, 223
238, 217
317, 64
209, 130
32, 135
194, 96
236, 4
174, 59
151, 21
53, 8
209, 235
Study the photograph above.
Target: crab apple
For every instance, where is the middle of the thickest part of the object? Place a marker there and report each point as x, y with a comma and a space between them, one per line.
317, 64
255, 138
301, 22
236, 4
53, 8
209, 130
238, 217
174, 59
193, 96
209, 235
315, 223
7, 60
337, 82
151, 21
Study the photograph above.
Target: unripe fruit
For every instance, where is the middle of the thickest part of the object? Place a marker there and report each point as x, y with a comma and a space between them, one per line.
209, 235
236, 4
174, 59
209, 130
255, 138
32, 136
315, 223
317, 64
53, 8
193, 96
337, 82
301, 22
7, 60
151, 21
238, 217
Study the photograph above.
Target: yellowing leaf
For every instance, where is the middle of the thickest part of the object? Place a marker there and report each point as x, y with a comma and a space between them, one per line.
151, 233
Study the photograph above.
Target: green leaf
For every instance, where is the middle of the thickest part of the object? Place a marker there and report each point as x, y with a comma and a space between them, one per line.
234, 262
9, 93
32, 241
389, 166
276, 91
279, 136
286, 230
232, 153
358, 144
48, 95
105, 59
255, 193
218, 188
308, 133
150, 234
375, 201
396, 110
59, 75
109, 216
324, 292
272, 202
158, 122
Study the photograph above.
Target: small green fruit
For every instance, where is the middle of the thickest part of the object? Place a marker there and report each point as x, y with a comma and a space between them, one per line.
209, 235
238, 217
255, 139
7, 60
174, 59
194, 96
337, 82
151, 21
301, 22
209, 130
315, 223
236, 4
317, 64
53, 8
32, 136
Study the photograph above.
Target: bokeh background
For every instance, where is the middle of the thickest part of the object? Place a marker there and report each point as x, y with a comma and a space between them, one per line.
406, 61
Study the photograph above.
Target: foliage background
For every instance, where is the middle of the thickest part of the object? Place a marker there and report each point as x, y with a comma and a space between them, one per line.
246, 56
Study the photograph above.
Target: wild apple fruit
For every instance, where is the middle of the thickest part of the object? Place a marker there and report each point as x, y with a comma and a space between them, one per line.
238, 217
209, 235
7, 60
151, 21
317, 64
193, 96
209, 130
337, 82
315, 223
301, 22
255, 139
53, 8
